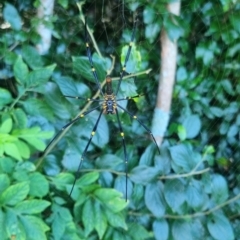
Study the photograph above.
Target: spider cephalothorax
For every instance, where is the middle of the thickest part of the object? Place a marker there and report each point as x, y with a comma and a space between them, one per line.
109, 104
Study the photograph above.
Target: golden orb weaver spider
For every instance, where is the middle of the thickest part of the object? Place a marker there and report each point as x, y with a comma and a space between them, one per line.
108, 104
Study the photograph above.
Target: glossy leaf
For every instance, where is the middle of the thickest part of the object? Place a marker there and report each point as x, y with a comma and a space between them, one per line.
88, 216
6, 126
82, 66
220, 227
39, 185
108, 161
219, 188
20, 70
4, 182
12, 150
116, 220
34, 226
192, 124
161, 229
5, 97
11, 15
15, 193
88, 179
100, 219
31, 56
111, 199
174, 193
40, 76
32, 206
143, 174
154, 199
182, 230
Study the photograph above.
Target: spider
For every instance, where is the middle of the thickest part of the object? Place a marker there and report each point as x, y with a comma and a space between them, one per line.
108, 104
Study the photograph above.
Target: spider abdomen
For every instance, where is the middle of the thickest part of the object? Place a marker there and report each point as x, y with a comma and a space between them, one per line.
109, 104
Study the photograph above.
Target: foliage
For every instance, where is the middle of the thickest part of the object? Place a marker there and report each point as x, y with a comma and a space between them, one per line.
189, 191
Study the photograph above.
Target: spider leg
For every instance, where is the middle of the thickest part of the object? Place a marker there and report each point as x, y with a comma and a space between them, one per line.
129, 98
67, 125
141, 123
89, 54
85, 151
85, 99
127, 55
124, 148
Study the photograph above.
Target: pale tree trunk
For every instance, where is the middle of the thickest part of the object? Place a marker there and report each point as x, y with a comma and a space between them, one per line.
166, 81
44, 12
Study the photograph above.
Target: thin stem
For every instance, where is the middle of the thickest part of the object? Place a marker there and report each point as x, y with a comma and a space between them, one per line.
89, 31
194, 215
18, 98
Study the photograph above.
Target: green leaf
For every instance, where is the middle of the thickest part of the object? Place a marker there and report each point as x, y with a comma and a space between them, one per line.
10, 14
143, 174
226, 4
32, 136
39, 186
32, 206
182, 132
134, 61
3, 224
100, 219
5, 97
219, 227
152, 30
40, 76
205, 53
11, 150
38, 107
20, 70
59, 223
4, 182
182, 230
32, 57
88, 179
108, 161
218, 112
117, 220
34, 227
192, 125
111, 199
174, 192
88, 217
184, 159
195, 196
23, 149
219, 189
235, 21
20, 118
82, 66
136, 231
6, 126
13, 225
148, 156
148, 15
63, 3
161, 229
174, 30
7, 164
15, 193
233, 131
227, 85
69, 88
154, 199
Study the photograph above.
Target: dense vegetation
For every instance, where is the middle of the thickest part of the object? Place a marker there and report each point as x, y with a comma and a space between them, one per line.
189, 191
